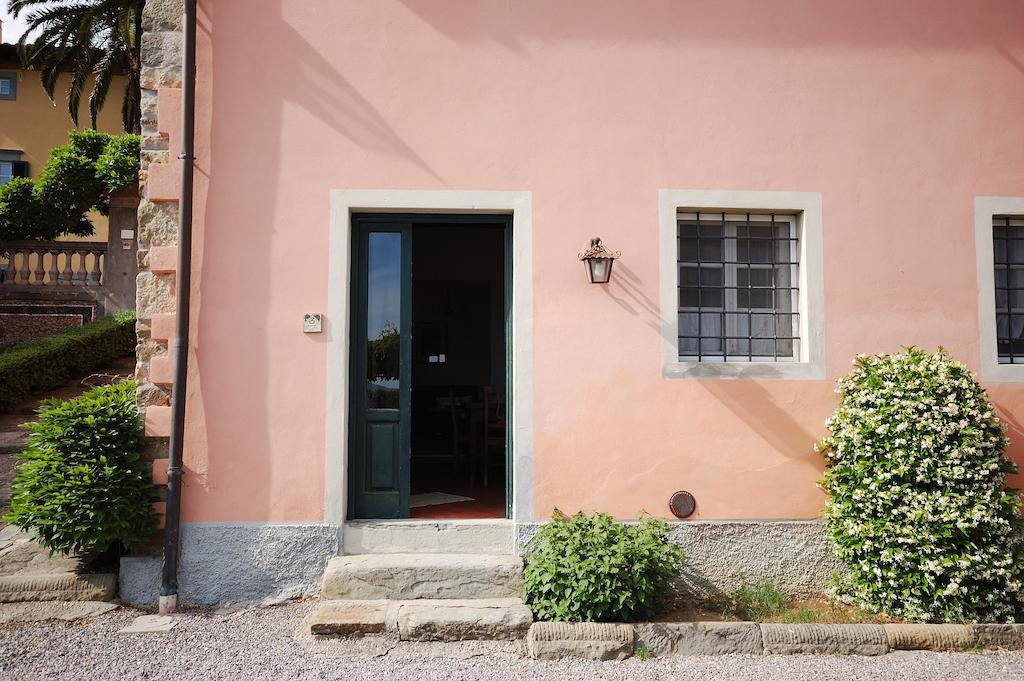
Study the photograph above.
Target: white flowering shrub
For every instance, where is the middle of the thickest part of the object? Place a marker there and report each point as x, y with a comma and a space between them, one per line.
918, 509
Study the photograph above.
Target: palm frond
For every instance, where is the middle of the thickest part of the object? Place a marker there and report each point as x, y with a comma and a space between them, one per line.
83, 38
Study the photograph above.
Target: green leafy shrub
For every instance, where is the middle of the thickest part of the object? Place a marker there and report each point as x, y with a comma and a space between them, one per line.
29, 368
78, 177
918, 508
80, 485
593, 568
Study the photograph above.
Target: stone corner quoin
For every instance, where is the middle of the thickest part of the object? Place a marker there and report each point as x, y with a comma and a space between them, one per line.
161, 52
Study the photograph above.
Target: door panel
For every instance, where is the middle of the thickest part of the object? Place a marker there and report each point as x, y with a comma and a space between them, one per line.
382, 445
381, 361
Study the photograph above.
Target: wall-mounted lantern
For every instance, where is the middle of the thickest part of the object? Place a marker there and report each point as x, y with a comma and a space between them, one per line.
598, 260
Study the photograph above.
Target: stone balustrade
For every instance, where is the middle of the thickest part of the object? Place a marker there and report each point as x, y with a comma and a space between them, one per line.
52, 263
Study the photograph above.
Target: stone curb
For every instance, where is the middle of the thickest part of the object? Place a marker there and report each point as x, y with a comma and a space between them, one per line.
597, 641
929, 636
843, 639
588, 640
58, 587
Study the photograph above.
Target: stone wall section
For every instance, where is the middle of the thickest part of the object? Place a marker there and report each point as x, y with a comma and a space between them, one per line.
158, 222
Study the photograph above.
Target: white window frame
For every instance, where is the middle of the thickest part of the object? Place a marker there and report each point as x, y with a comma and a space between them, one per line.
985, 209
805, 207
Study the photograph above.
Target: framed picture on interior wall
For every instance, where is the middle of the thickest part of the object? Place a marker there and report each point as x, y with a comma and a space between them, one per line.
430, 343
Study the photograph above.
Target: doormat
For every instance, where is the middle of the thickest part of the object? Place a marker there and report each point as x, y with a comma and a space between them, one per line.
435, 499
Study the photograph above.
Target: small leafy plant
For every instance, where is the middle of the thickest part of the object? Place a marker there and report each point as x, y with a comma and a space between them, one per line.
80, 485
756, 602
593, 568
918, 509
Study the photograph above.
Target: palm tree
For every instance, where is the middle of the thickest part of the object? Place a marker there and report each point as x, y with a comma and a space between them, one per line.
85, 37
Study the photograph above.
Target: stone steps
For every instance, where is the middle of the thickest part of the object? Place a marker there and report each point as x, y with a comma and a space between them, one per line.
407, 576
425, 619
429, 536
423, 596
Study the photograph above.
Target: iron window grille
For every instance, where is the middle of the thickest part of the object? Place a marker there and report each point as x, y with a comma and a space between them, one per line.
738, 287
1008, 251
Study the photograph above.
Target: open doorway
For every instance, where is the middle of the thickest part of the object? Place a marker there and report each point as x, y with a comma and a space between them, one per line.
458, 372
429, 426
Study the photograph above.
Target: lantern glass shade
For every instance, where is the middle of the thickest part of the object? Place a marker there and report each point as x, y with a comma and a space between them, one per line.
598, 261
599, 270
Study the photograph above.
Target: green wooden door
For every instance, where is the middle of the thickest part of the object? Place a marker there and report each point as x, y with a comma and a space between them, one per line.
381, 361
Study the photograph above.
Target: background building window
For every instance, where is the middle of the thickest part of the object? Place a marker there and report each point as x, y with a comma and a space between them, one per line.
1008, 251
8, 85
11, 166
738, 285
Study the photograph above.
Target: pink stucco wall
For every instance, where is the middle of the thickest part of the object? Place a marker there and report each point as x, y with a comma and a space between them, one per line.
898, 113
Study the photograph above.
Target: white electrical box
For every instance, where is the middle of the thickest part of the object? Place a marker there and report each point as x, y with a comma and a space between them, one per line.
312, 322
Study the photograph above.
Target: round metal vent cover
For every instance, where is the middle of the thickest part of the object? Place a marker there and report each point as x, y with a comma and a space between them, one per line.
682, 504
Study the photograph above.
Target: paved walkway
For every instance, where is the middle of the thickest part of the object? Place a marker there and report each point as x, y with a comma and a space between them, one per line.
273, 644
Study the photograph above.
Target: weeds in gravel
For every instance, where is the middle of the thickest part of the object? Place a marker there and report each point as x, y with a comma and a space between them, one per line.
755, 602
642, 653
765, 602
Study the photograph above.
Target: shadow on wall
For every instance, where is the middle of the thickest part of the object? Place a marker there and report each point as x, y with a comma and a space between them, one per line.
783, 25
237, 275
756, 407
627, 290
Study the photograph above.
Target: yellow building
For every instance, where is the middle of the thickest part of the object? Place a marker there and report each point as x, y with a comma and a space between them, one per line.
31, 125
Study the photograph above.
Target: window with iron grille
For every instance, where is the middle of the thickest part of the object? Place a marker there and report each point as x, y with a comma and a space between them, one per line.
738, 287
1008, 251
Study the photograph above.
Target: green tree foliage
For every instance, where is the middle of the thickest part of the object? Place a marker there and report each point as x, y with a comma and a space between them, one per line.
593, 568
99, 38
80, 484
78, 177
918, 507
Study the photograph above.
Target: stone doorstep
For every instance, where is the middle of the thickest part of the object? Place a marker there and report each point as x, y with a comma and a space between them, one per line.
425, 619
407, 576
58, 587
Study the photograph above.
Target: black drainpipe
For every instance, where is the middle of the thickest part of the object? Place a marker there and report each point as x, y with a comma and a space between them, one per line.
172, 518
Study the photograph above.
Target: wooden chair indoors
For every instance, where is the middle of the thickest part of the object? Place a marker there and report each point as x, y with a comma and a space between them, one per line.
493, 430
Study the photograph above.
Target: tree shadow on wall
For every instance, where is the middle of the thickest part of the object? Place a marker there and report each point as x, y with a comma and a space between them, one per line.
246, 235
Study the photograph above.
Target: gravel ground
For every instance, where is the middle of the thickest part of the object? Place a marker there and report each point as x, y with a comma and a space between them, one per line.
270, 643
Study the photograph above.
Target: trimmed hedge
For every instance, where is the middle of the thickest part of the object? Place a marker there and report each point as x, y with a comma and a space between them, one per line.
29, 368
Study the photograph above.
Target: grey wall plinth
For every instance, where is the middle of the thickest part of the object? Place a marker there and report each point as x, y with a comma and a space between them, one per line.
223, 562
721, 555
